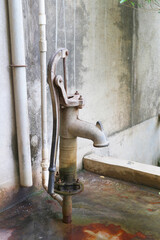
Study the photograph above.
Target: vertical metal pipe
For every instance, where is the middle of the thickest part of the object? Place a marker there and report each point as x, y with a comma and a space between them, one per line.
67, 209
20, 90
43, 50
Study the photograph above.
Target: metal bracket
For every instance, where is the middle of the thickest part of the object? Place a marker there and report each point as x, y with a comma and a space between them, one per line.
75, 100
15, 65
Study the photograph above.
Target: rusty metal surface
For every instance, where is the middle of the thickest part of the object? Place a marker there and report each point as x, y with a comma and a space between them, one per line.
67, 209
107, 209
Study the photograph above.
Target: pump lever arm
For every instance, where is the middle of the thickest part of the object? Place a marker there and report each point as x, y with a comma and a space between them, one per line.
60, 54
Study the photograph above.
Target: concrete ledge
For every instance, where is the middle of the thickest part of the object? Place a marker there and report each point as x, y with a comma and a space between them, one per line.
122, 169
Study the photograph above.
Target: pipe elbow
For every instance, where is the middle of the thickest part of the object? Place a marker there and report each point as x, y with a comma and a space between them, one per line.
100, 140
90, 131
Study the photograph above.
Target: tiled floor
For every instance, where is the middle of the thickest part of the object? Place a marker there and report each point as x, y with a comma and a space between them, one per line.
108, 209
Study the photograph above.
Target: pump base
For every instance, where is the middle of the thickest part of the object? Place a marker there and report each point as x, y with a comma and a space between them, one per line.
67, 189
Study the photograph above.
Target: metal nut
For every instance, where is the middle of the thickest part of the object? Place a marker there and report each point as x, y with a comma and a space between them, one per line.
80, 97
76, 93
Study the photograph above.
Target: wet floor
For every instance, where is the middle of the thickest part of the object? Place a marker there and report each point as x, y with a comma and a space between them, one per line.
108, 209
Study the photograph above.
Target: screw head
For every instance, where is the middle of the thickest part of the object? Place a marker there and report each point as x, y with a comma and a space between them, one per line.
80, 97
67, 53
76, 93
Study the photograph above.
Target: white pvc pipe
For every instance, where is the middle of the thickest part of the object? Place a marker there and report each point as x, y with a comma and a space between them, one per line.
43, 50
20, 90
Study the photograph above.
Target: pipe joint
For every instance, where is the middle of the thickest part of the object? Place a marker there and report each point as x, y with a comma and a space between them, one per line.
52, 169
43, 46
44, 166
42, 19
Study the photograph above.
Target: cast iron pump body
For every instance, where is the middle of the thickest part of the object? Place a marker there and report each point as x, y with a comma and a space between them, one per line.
68, 126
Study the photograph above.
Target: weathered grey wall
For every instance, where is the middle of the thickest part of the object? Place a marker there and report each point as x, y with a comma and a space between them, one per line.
139, 143
107, 59
146, 62
111, 62
8, 140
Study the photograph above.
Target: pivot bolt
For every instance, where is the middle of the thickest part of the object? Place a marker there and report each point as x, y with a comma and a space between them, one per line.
77, 181
80, 97
76, 93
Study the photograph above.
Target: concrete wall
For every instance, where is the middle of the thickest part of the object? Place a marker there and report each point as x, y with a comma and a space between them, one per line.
139, 143
111, 62
146, 61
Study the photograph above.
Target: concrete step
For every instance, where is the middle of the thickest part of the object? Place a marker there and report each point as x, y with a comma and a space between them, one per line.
130, 171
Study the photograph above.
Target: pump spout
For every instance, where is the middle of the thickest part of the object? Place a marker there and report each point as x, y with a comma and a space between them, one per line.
72, 127
90, 131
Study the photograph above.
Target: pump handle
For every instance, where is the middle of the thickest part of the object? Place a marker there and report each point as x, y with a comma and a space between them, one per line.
60, 54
